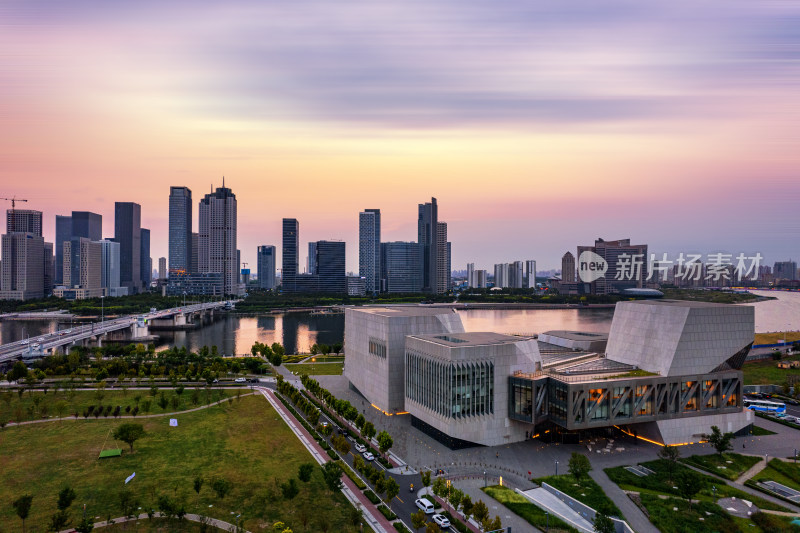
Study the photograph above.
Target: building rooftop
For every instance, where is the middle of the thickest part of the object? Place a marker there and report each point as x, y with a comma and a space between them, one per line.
577, 335
460, 340
405, 310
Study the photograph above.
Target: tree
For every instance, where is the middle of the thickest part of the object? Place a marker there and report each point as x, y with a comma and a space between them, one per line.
418, 520
18, 371
603, 524
384, 442
670, 454
432, 527
720, 441
426, 478
198, 484
332, 473
360, 421
579, 465
368, 431
440, 487
480, 511
221, 487
354, 515
305, 471
689, 484
392, 490
289, 489
85, 526
65, 498
129, 433
22, 506
467, 506
58, 521
455, 497
127, 503
492, 525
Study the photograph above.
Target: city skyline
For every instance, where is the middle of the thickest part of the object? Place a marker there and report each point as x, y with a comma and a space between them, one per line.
534, 129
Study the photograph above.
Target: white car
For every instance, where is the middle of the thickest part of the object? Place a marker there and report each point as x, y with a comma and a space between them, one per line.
360, 448
441, 521
240, 380
40, 339
368, 456
26, 341
35, 344
425, 505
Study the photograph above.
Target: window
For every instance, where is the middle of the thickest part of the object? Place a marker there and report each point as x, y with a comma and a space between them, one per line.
377, 347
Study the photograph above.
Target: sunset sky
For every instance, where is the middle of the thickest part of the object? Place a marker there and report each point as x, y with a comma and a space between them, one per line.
539, 126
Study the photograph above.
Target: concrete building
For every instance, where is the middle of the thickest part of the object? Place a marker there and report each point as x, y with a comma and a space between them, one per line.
470, 274
443, 270
162, 268
266, 267
195, 264
616, 254
785, 270
49, 269
369, 248
516, 275
203, 284
428, 238
24, 221
375, 348
128, 233
402, 264
670, 370
479, 277
109, 267
63, 234
530, 274
180, 229
217, 221
146, 260
311, 261
83, 270
356, 286
88, 225
501, 275
290, 249
22, 268
568, 268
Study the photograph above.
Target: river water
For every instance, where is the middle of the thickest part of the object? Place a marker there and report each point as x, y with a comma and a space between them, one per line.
299, 331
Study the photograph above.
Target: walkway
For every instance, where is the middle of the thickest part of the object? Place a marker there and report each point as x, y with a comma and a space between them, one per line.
633, 515
472, 488
372, 516
225, 526
755, 469
548, 501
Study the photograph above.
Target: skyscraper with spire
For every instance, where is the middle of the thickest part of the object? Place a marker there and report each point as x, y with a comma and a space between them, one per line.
217, 237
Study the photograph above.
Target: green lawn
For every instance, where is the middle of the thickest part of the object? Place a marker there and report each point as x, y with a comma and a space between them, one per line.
38, 405
243, 442
704, 517
728, 465
158, 525
324, 369
585, 491
658, 483
783, 472
766, 372
761, 432
526, 510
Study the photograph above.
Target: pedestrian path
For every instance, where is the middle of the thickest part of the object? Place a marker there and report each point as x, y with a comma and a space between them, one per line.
550, 503
220, 524
755, 469
633, 515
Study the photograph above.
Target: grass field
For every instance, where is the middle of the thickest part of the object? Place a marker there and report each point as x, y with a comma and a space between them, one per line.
522, 507
766, 372
781, 471
728, 465
758, 431
38, 405
243, 442
324, 369
158, 525
774, 338
585, 491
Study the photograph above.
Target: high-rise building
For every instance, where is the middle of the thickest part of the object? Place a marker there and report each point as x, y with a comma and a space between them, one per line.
266, 267
109, 267
356, 286
568, 268
49, 267
443, 271
83, 267
470, 274
146, 260
195, 264
501, 275
329, 266
369, 248
291, 246
402, 264
785, 270
128, 233
427, 237
217, 239
88, 225
24, 221
162, 268
516, 275
479, 278
311, 265
617, 254
530, 274
180, 229
22, 271
63, 234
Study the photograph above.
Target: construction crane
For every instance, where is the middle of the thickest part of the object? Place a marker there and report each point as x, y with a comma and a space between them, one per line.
14, 201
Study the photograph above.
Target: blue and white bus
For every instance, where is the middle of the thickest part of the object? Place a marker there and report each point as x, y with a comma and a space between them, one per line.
765, 406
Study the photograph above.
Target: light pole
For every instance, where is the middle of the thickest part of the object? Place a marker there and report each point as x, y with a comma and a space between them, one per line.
102, 309
547, 521
484, 479
556, 467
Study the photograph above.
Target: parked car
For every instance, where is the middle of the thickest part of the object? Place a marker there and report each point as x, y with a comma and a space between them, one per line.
360, 448
368, 456
441, 521
254, 380
425, 505
790, 418
240, 380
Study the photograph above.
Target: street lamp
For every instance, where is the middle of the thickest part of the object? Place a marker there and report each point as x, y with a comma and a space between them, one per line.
484, 479
556, 467
547, 521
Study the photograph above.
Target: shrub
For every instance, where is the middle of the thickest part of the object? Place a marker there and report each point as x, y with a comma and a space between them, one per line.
385, 511
371, 496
